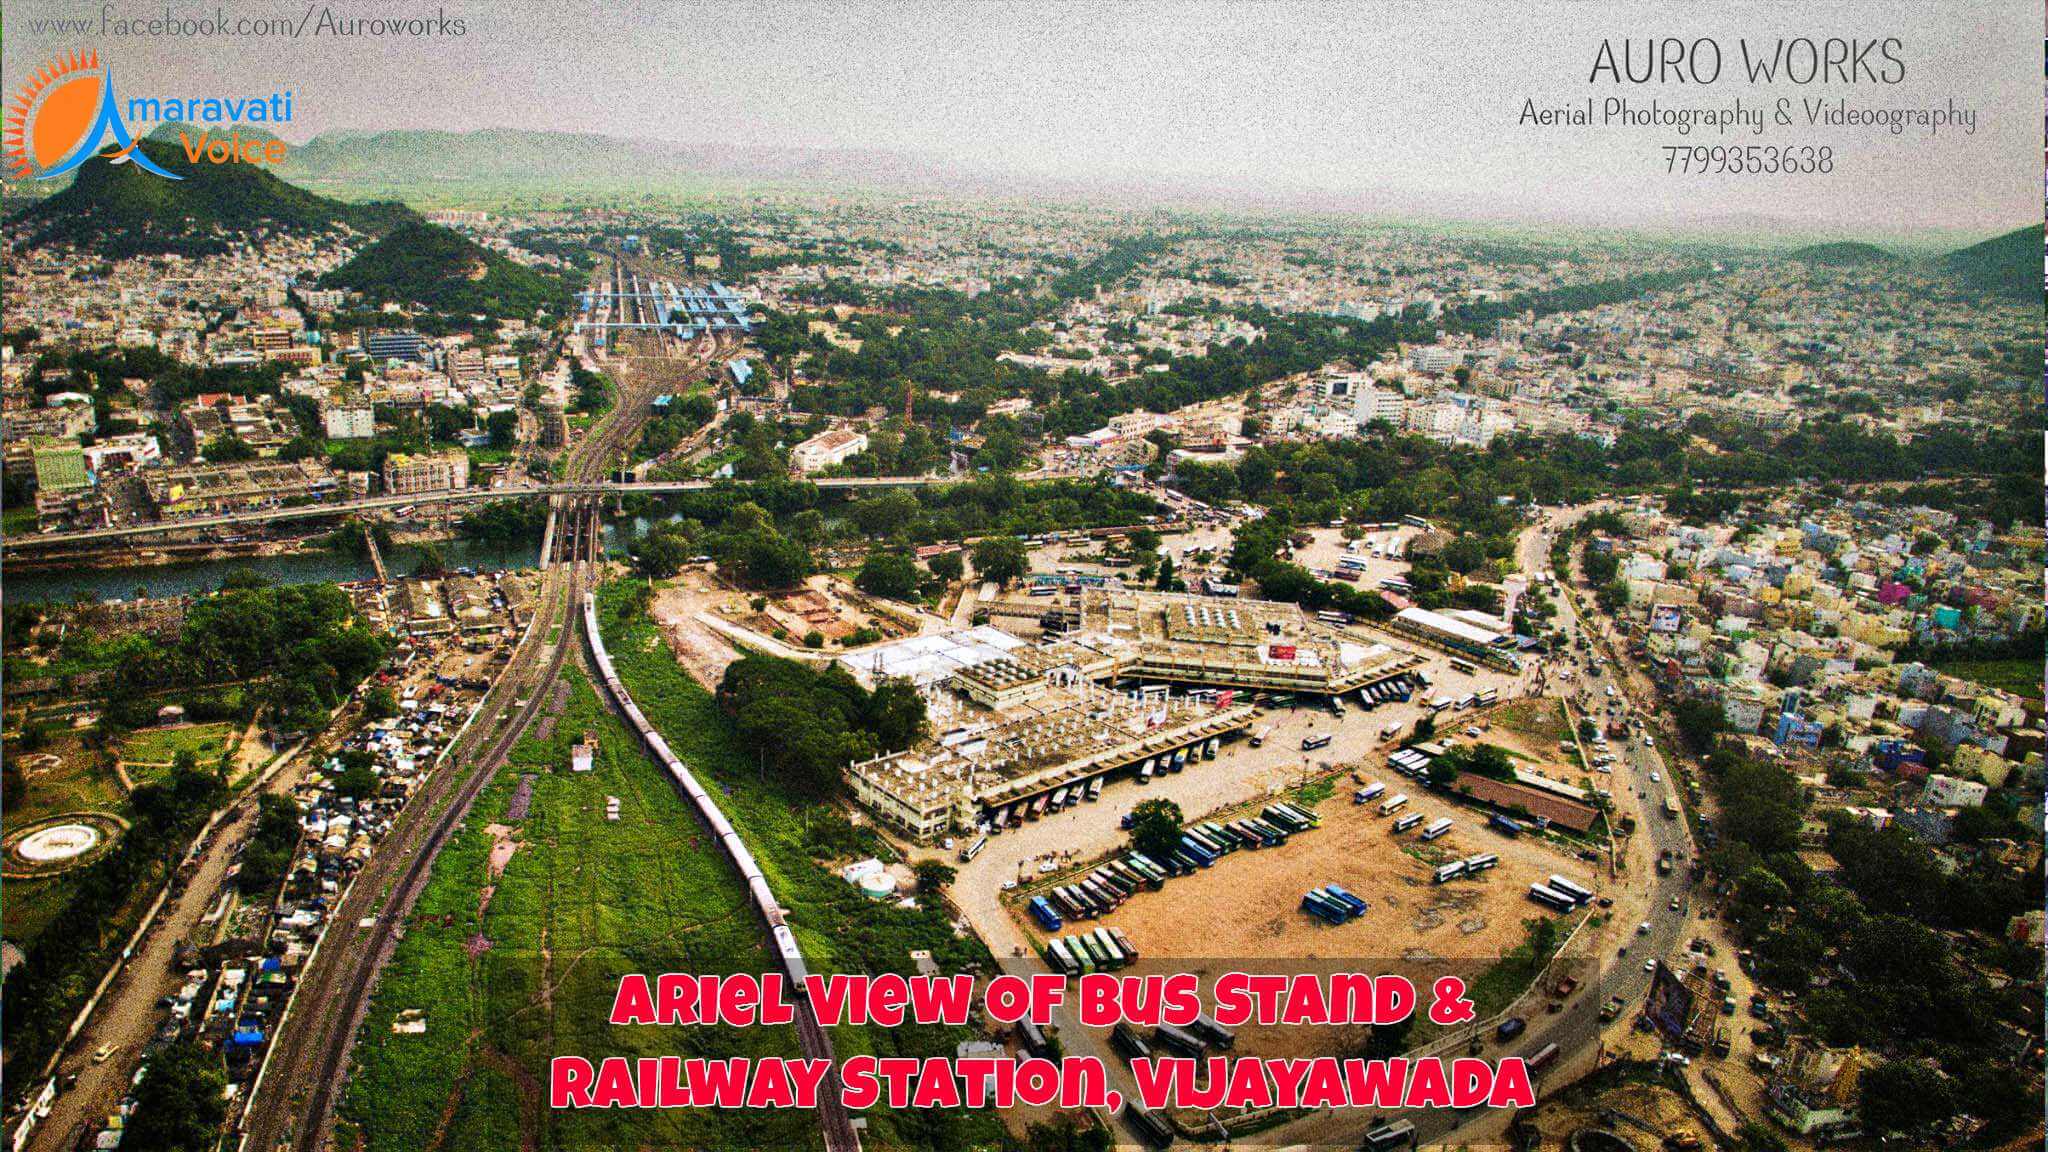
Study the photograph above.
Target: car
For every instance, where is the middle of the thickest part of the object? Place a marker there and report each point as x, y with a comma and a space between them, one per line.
1606, 901
1009, 885
1674, 904
1048, 866
101, 1053
1650, 965
1643, 929
1656, 777
1649, 741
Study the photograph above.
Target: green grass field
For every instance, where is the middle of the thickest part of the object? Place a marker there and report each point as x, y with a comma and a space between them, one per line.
2021, 677
581, 902
32, 906
206, 742
789, 833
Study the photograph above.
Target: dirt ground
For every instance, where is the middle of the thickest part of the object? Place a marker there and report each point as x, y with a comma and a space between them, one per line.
1248, 909
701, 651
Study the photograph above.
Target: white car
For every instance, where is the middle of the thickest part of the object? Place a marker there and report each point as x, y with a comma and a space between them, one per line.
1009, 885
1649, 965
1649, 742
1656, 777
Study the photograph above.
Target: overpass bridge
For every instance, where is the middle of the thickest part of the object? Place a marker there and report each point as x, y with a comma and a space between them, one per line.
40, 541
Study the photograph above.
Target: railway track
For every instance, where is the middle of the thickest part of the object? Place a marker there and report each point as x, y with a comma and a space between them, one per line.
292, 1103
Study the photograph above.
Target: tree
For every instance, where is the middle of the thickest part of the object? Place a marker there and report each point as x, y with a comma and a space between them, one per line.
888, 574
380, 703
178, 1105
504, 428
1001, 559
934, 875
358, 779
1758, 893
1903, 1096
1064, 1133
428, 561
947, 566
1389, 1040
1156, 827
661, 552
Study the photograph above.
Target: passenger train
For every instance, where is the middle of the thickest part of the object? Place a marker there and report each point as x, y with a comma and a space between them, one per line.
791, 957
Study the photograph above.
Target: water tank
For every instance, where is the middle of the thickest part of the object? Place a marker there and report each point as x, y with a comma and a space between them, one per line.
877, 885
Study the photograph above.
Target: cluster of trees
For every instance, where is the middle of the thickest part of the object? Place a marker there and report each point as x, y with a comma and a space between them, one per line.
1487, 760
807, 724
891, 574
303, 646
506, 520
684, 416
268, 855
421, 263
1895, 983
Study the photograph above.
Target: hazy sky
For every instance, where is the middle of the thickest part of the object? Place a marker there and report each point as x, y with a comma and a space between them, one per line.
1406, 106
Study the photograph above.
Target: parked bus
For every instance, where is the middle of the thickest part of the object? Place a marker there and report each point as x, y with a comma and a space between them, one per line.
1407, 822
968, 853
1311, 743
1394, 804
1465, 666
1488, 696
1542, 1056
1437, 828
1386, 1137
1552, 898
1259, 735
1578, 892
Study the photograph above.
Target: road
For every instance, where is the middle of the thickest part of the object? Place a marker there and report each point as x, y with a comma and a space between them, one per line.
594, 485
305, 1072
127, 1017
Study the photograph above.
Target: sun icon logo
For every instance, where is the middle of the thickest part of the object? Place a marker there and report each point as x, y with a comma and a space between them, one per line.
63, 116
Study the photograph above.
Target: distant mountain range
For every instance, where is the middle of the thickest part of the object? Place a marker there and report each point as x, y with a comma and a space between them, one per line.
1844, 254
505, 156
2008, 265
119, 210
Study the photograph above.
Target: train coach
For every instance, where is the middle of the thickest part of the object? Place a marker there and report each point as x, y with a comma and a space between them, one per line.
787, 951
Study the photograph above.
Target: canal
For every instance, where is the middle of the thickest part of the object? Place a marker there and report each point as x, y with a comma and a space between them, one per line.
305, 568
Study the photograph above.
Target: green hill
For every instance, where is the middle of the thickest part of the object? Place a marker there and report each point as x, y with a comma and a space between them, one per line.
1843, 254
2008, 265
119, 210
421, 263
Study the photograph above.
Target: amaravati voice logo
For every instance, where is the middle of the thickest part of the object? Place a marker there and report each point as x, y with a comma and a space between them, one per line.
64, 116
